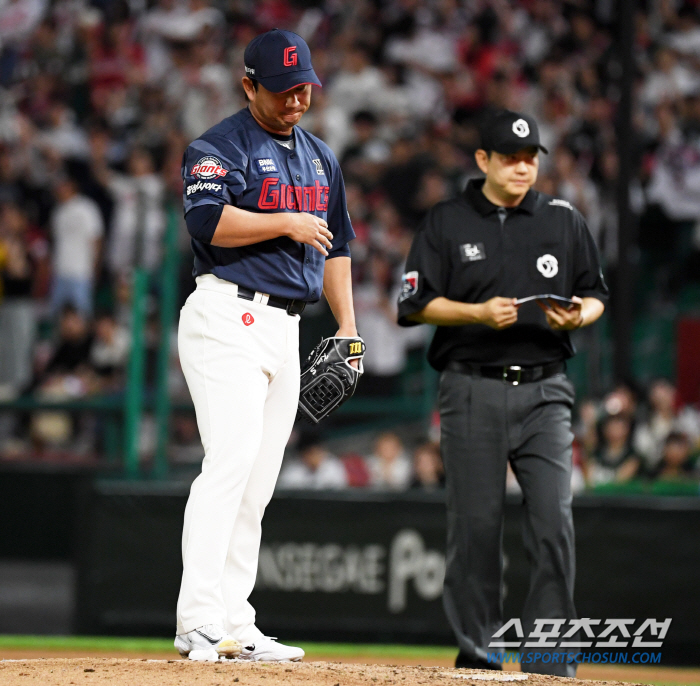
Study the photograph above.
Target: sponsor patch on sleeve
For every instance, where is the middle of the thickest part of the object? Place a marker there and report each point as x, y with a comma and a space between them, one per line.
202, 186
266, 165
409, 285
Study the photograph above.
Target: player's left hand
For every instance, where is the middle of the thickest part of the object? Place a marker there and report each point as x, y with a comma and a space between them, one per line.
352, 332
563, 319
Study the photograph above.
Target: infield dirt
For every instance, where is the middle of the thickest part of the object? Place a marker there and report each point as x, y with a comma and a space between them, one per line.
176, 672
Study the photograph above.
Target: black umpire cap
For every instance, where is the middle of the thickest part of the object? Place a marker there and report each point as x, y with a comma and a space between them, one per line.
508, 132
279, 60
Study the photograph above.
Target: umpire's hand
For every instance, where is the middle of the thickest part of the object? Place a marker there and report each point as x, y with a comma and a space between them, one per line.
561, 318
499, 313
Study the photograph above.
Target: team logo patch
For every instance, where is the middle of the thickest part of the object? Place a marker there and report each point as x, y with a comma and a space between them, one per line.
290, 56
548, 266
203, 186
472, 252
319, 167
409, 285
248, 319
209, 167
266, 165
521, 128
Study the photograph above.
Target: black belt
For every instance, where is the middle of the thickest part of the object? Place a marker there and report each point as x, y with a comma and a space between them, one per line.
292, 306
513, 374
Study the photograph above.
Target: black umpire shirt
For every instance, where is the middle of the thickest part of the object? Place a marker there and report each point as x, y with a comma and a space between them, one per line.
470, 250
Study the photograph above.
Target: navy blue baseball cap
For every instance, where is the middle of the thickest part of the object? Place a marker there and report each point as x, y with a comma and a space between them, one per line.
508, 132
279, 60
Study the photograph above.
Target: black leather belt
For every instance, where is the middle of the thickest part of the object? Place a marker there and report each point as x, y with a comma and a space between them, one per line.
292, 306
513, 374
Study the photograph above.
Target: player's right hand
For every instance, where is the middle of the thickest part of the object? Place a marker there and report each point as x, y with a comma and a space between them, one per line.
499, 313
310, 229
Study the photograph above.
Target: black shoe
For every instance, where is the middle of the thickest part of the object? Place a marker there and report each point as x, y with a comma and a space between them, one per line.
463, 661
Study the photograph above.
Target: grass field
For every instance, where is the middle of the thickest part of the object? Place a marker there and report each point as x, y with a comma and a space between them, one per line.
118, 644
27, 647
165, 645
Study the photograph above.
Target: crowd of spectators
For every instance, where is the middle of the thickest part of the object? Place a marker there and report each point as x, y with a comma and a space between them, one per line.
99, 98
389, 466
622, 444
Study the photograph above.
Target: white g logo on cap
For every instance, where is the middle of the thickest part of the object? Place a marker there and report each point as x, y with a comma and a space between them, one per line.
520, 128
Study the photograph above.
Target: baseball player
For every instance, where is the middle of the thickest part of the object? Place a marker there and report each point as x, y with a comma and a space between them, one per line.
265, 207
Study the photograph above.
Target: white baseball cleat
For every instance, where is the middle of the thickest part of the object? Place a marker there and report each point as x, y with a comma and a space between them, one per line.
266, 649
202, 642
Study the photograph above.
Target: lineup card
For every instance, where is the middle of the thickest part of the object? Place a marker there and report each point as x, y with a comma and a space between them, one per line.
543, 298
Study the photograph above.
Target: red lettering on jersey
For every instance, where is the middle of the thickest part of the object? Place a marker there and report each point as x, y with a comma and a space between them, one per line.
309, 199
248, 319
302, 198
269, 197
299, 197
208, 170
321, 197
290, 57
291, 202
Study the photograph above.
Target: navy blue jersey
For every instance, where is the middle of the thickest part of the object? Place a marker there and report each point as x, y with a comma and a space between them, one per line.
238, 163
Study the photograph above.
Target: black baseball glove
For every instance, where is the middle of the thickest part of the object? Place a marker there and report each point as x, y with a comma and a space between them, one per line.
327, 377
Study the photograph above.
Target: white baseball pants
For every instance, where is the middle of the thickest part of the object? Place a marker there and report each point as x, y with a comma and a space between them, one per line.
243, 376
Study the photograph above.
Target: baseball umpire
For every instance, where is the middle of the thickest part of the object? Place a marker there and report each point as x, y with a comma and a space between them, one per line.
504, 396
265, 207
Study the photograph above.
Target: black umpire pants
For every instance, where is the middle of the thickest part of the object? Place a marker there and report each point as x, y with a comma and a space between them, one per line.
484, 424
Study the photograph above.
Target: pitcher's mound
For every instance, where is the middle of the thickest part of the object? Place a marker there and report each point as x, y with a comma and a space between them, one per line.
131, 672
